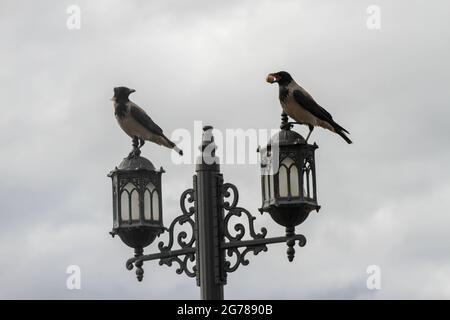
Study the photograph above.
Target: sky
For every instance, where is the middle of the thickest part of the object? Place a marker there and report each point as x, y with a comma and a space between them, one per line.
385, 199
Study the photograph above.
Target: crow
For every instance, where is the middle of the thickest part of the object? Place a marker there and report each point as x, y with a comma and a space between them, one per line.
300, 106
136, 123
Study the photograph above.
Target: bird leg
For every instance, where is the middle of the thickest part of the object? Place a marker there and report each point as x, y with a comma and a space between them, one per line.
141, 143
135, 152
311, 128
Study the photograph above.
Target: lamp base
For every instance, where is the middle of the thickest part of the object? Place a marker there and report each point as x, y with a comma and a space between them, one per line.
138, 237
290, 215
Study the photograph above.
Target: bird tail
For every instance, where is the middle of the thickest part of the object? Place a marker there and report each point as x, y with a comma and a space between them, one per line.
339, 128
342, 134
173, 146
340, 131
178, 150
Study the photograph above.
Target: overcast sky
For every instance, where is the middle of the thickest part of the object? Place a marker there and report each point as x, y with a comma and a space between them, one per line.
385, 199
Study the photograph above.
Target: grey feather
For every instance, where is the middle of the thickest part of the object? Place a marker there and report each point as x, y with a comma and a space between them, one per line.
307, 102
143, 118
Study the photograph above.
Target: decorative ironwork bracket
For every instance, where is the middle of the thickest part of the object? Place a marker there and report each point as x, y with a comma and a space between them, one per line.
258, 242
166, 255
230, 244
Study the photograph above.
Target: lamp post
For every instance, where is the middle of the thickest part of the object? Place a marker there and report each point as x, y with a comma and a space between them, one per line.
207, 208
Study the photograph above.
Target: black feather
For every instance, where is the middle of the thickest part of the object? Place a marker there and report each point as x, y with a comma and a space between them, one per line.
339, 128
312, 106
120, 110
344, 137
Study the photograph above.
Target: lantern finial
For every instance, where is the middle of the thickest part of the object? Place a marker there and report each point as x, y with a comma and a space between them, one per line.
136, 152
285, 125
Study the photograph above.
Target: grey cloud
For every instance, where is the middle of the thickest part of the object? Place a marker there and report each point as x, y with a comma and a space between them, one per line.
384, 198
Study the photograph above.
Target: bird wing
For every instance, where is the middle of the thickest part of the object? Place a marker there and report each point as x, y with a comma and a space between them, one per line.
307, 102
142, 117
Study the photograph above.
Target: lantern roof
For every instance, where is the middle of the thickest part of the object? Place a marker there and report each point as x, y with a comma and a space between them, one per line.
287, 137
136, 163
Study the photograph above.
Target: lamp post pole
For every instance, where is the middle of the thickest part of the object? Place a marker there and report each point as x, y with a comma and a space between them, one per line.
209, 216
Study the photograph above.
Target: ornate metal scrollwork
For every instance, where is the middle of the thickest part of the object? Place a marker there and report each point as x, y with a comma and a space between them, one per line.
183, 264
234, 241
167, 255
233, 210
240, 256
232, 245
187, 196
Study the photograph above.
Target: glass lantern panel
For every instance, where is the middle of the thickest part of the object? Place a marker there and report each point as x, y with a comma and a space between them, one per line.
125, 202
135, 212
148, 201
124, 207
307, 183
115, 209
288, 162
147, 205
283, 181
155, 204
294, 181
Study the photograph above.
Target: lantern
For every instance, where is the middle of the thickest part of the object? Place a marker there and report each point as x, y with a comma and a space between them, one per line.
137, 207
288, 177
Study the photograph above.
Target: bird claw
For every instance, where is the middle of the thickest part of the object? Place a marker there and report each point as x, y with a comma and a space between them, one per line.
137, 144
134, 154
286, 126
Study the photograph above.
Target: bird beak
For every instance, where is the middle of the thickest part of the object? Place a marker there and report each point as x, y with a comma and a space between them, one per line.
271, 78
132, 90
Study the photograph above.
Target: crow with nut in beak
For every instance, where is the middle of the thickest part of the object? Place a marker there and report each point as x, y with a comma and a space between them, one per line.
300, 106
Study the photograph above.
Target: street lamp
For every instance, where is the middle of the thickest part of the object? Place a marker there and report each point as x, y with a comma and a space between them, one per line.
288, 179
137, 207
209, 209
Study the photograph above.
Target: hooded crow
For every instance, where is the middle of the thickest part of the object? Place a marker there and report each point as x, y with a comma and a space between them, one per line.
135, 121
300, 106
